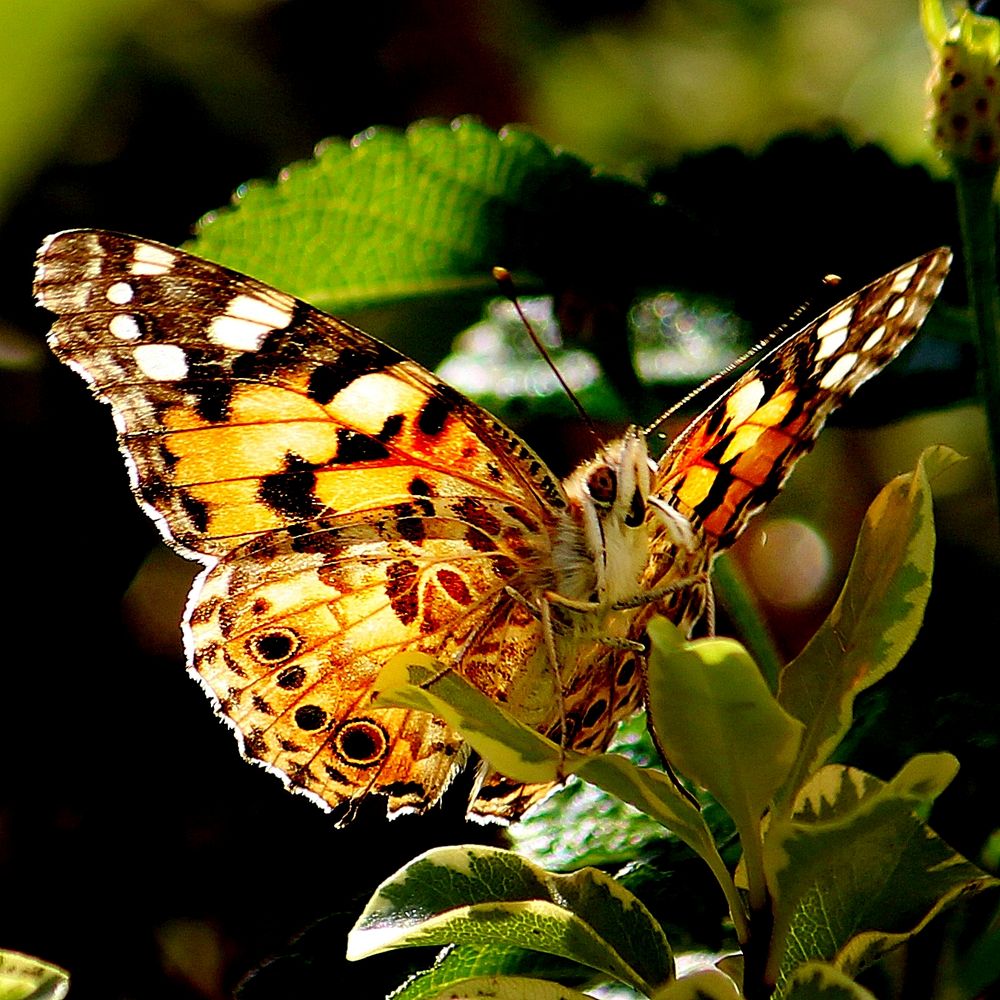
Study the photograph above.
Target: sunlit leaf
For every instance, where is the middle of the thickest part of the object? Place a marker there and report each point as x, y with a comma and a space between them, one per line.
417, 681
426, 214
719, 723
819, 981
481, 896
581, 824
854, 871
465, 962
23, 977
508, 988
875, 618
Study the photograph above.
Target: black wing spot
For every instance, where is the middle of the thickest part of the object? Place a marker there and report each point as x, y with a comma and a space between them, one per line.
310, 717
292, 678
292, 492
392, 426
434, 414
353, 447
195, 509
274, 646
410, 525
361, 742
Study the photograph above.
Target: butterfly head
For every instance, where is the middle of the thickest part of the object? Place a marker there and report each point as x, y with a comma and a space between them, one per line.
609, 496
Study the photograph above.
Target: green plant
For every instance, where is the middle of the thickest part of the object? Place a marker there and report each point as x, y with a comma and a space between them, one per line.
837, 867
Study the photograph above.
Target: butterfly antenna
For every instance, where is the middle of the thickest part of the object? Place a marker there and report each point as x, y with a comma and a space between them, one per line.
829, 281
505, 282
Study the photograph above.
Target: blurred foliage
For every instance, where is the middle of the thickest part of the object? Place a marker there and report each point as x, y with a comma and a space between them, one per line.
136, 849
682, 77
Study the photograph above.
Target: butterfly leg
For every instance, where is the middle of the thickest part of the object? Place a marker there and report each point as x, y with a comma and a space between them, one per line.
617, 642
516, 595
552, 597
558, 627
548, 634
658, 593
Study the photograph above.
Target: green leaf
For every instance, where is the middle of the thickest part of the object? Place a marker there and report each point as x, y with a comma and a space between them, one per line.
719, 723
417, 681
875, 618
581, 824
854, 871
23, 977
485, 896
465, 962
819, 981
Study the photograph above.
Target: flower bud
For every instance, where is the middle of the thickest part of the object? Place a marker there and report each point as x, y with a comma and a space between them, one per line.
964, 84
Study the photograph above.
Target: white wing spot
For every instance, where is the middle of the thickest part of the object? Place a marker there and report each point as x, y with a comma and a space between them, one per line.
95, 256
840, 320
149, 259
831, 343
902, 280
161, 362
125, 327
839, 370
120, 293
248, 319
873, 338
896, 308
743, 402
274, 311
237, 334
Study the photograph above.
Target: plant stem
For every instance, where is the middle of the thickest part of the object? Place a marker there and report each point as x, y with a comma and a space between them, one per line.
974, 187
756, 954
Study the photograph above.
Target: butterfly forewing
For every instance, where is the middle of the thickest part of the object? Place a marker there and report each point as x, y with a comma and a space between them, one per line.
733, 458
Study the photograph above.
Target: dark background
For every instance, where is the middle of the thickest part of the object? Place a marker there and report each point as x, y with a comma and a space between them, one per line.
136, 849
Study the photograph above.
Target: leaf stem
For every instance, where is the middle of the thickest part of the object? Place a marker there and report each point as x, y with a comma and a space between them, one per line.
737, 911
974, 188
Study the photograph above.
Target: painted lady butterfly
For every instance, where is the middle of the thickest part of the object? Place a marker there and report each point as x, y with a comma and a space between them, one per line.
348, 505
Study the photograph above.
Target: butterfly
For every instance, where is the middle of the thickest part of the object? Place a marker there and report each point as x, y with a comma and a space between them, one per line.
347, 505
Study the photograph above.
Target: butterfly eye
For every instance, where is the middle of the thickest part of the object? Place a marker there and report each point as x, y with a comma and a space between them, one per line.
602, 486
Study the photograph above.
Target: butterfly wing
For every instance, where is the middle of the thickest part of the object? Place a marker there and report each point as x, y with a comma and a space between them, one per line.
346, 505
733, 459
